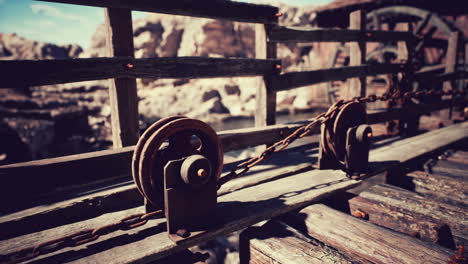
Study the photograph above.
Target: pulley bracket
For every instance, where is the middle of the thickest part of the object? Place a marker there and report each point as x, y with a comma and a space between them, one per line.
345, 140
176, 166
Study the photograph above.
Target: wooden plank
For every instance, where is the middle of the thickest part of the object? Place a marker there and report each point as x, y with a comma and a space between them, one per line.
357, 55
445, 188
429, 71
449, 168
230, 10
265, 113
292, 80
379, 116
104, 198
123, 97
17, 74
411, 203
236, 211
451, 57
299, 34
364, 241
407, 222
258, 193
109, 164
277, 242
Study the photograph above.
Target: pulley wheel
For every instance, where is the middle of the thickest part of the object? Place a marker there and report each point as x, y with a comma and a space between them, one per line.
333, 137
142, 141
351, 115
179, 133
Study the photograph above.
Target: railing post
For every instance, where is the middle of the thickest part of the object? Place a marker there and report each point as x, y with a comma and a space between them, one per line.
409, 125
357, 54
451, 58
122, 91
266, 95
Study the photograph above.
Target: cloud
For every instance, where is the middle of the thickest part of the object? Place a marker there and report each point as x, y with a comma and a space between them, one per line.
51, 11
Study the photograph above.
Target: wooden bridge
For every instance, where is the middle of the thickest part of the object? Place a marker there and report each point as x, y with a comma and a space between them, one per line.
45, 199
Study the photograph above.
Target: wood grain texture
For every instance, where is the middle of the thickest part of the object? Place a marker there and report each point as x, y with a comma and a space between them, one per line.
123, 97
265, 96
44, 176
411, 203
445, 188
17, 74
357, 55
410, 223
292, 80
364, 241
230, 10
298, 34
259, 193
95, 201
276, 242
235, 211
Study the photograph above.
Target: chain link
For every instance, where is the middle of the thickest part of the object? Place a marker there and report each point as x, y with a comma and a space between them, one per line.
322, 118
137, 220
80, 238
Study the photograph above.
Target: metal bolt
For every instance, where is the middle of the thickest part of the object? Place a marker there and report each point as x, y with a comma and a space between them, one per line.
278, 14
183, 233
278, 66
202, 173
360, 214
129, 66
369, 135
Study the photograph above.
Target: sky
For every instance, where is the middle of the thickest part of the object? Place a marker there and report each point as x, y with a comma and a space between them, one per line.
69, 24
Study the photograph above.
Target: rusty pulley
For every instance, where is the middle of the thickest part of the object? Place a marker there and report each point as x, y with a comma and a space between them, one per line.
345, 139
176, 166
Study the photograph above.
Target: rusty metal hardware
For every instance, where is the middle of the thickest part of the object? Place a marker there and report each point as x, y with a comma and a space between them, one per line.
458, 257
133, 221
81, 237
305, 130
345, 140
179, 176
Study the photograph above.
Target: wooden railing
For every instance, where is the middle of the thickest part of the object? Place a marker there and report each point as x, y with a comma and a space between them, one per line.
124, 69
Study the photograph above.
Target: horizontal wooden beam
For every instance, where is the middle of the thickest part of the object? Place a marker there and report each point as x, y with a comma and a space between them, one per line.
364, 241
44, 72
240, 208
292, 80
108, 164
297, 34
230, 10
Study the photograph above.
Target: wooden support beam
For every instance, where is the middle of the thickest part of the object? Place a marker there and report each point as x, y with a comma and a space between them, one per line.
364, 241
357, 55
410, 223
409, 203
292, 80
276, 242
98, 202
451, 58
18, 74
298, 34
108, 164
122, 91
266, 95
446, 188
230, 10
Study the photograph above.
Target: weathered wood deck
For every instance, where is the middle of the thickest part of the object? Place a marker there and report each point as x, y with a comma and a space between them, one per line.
237, 209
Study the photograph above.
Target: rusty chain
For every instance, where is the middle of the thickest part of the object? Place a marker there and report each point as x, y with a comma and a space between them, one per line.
322, 118
81, 237
136, 220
